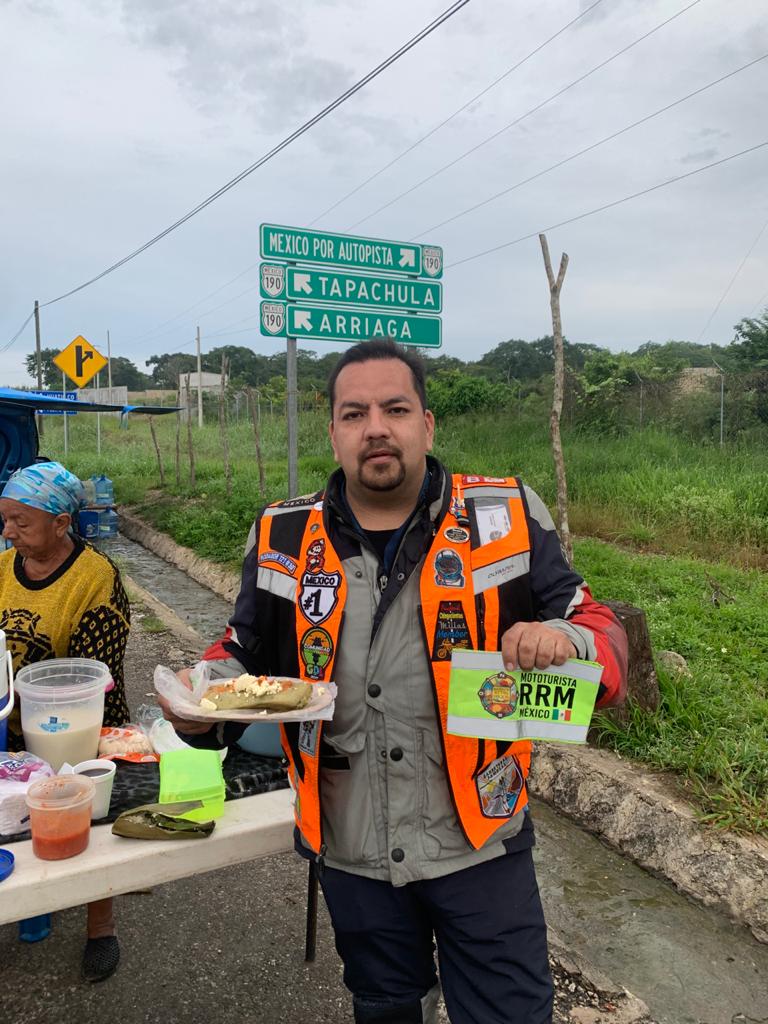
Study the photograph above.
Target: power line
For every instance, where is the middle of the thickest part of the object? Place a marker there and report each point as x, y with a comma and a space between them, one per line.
436, 23
17, 335
456, 112
533, 110
199, 302
587, 149
607, 206
730, 284
760, 303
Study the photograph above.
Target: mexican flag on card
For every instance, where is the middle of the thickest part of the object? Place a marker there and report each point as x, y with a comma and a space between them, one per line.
487, 701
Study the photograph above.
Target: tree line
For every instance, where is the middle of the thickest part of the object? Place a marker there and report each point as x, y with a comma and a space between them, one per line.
604, 388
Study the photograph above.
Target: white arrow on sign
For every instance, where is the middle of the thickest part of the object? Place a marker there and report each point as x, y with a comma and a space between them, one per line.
407, 258
301, 283
302, 320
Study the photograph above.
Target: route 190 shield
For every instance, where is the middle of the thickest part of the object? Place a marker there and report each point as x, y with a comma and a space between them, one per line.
273, 318
272, 279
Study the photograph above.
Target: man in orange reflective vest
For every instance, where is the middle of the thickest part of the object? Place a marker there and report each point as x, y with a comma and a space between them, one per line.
419, 836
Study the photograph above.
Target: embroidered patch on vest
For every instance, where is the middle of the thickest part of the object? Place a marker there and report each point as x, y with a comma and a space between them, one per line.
457, 534
449, 568
319, 593
499, 695
280, 558
316, 649
498, 787
451, 630
308, 735
302, 501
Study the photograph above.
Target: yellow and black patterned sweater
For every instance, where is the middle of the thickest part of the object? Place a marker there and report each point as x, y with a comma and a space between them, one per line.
80, 611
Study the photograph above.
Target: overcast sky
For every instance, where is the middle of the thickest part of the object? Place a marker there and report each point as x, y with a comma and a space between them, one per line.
119, 117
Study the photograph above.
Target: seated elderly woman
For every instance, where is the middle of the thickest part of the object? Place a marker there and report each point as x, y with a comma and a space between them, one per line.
61, 598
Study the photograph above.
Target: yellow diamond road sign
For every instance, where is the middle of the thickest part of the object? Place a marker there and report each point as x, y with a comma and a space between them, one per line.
80, 361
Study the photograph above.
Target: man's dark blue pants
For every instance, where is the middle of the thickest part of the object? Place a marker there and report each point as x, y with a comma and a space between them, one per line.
489, 929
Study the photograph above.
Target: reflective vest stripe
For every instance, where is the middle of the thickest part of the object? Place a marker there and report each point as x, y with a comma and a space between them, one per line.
496, 573
278, 583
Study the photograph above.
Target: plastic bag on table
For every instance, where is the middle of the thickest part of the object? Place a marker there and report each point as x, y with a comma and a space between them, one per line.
17, 773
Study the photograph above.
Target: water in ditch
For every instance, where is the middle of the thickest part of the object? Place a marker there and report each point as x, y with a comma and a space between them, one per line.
688, 963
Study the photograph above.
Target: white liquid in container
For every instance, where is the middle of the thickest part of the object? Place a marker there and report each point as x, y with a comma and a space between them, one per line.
62, 734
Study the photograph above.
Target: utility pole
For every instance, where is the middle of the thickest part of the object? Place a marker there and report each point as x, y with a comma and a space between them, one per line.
199, 384
39, 364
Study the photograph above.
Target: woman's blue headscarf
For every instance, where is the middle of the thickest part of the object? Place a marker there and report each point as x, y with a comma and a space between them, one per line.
47, 486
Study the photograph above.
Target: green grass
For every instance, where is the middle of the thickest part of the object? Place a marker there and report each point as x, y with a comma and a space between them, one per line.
686, 522
710, 728
655, 491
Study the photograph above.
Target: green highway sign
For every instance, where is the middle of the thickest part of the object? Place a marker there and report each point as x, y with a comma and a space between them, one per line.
306, 284
342, 323
299, 245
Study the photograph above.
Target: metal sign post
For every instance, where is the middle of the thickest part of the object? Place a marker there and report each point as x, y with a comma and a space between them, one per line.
66, 418
98, 423
292, 417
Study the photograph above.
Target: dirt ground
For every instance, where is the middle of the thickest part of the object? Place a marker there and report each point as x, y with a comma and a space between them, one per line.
226, 946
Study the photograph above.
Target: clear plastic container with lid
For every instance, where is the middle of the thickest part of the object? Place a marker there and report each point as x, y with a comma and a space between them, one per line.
60, 815
62, 706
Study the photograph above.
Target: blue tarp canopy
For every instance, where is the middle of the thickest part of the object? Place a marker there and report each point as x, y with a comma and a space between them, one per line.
18, 431
10, 398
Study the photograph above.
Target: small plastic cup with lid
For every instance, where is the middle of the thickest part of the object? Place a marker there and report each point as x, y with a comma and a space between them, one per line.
60, 815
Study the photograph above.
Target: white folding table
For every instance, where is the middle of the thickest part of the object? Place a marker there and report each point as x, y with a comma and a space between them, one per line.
252, 827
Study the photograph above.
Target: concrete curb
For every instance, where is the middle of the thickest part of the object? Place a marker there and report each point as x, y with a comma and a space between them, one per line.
221, 581
636, 812
188, 637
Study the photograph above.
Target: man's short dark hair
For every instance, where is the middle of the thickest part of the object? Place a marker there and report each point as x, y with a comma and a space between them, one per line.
381, 348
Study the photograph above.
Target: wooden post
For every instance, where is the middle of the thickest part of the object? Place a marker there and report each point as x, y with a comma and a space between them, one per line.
199, 382
178, 449
157, 450
257, 438
557, 399
223, 427
190, 446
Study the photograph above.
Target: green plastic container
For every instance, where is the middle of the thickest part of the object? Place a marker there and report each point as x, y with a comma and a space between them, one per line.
193, 775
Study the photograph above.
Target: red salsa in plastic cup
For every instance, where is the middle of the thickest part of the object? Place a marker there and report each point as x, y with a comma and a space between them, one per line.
60, 815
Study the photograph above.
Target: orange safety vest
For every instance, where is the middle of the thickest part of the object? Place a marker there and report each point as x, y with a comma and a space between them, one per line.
486, 778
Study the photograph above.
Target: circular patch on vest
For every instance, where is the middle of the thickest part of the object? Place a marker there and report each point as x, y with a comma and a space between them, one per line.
316, 649
457, 534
